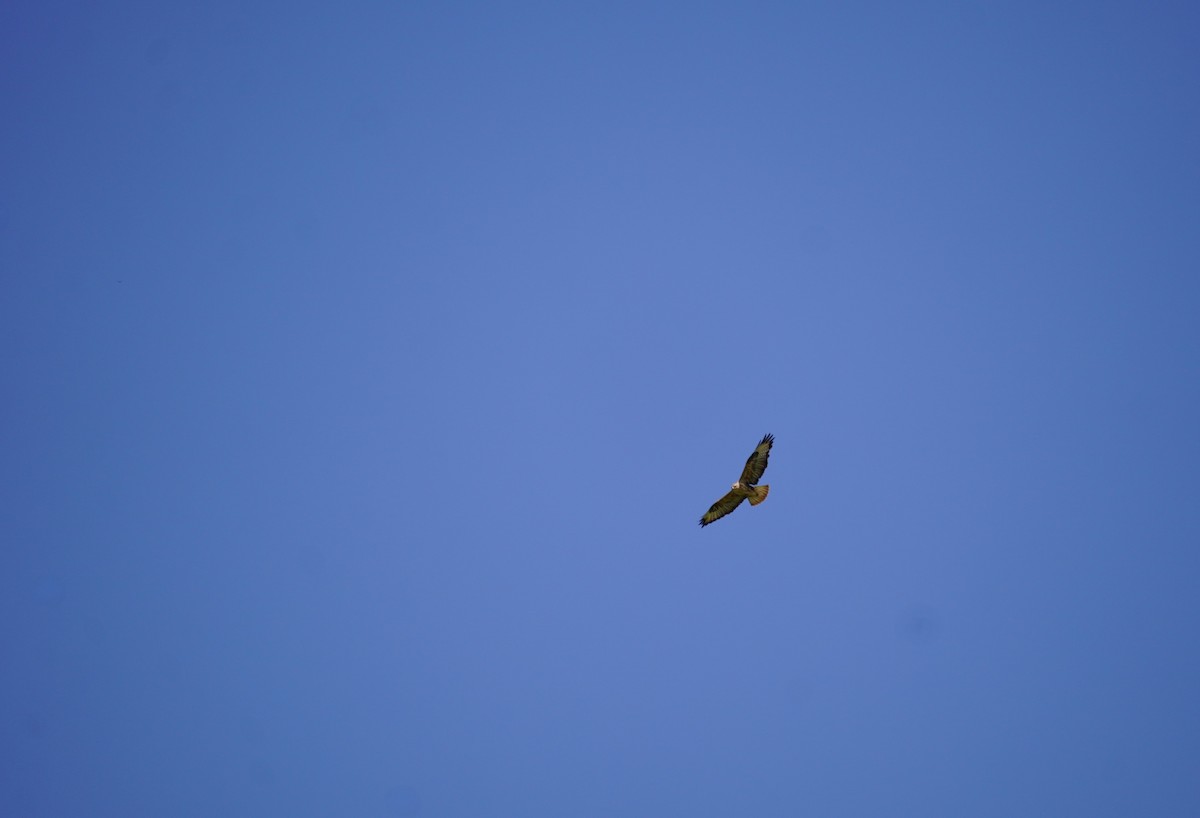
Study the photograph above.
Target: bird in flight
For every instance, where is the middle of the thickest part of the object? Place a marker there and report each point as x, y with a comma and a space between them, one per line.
746, 488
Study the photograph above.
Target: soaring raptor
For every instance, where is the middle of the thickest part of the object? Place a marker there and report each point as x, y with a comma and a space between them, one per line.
747, 487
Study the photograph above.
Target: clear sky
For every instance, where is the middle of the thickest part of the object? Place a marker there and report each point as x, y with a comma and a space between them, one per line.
367, 367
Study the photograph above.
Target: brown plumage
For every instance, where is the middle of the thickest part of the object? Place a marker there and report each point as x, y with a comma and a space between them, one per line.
745, 488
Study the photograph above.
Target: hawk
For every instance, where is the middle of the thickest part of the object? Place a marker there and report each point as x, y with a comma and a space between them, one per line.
745, 488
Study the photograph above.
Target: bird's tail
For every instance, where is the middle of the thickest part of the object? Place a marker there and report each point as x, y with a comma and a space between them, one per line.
760, 494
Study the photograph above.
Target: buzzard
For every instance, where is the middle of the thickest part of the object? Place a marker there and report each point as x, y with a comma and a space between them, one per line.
745, 488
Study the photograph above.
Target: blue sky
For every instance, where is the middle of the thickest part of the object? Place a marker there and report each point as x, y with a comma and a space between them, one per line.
368, 368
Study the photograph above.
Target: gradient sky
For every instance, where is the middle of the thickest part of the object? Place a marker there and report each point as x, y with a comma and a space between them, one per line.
367, 368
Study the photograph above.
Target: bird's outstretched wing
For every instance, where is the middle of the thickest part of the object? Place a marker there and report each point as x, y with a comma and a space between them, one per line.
722, 507
757, 464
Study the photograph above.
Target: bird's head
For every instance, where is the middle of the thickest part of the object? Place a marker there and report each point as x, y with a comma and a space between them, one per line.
736, 485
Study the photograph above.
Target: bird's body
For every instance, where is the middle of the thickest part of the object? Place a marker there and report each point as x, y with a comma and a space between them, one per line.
746, 488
